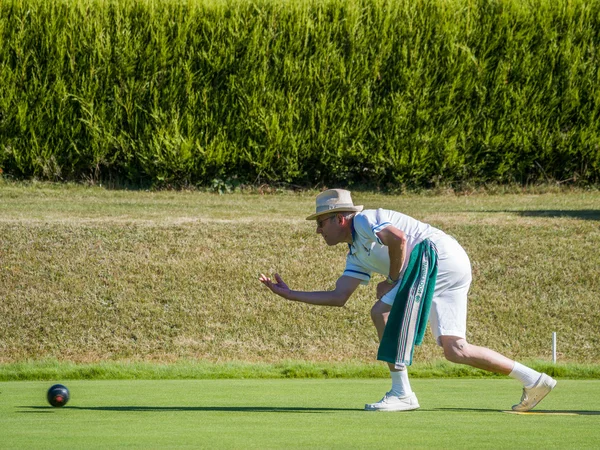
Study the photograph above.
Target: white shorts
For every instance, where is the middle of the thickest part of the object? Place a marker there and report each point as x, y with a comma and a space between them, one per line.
448, 315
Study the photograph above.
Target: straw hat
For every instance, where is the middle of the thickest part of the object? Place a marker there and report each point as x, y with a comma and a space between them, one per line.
334, 200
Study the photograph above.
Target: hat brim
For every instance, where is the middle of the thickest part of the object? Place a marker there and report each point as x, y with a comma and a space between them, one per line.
357, 208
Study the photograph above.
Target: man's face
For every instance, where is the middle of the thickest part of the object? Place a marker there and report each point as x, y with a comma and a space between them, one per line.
328, 227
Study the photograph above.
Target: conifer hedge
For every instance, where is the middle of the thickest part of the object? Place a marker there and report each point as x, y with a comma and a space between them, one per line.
346, 92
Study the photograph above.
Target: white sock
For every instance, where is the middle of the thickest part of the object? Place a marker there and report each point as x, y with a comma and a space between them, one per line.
400, 383
527, 376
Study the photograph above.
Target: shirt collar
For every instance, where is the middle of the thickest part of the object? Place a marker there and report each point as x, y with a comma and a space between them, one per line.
353, 236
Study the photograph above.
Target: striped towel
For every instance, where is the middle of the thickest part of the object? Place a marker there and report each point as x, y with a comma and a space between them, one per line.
407, 321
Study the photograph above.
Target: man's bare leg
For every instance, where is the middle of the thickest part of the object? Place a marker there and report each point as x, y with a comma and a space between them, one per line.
379, 314
536, 385
458, 350
400, 397
401, 391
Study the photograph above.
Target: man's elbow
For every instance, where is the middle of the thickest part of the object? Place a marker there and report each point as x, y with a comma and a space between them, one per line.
341, 299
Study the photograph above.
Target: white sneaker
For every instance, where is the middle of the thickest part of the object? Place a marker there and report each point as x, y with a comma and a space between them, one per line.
533, 395
394, 403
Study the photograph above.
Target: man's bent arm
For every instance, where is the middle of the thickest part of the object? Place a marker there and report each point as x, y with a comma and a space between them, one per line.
395, 240
344, 287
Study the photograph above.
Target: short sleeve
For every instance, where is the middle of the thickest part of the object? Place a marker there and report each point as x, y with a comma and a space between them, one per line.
368, 225
355, 270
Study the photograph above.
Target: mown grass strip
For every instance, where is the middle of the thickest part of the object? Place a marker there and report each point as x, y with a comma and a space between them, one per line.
55, 370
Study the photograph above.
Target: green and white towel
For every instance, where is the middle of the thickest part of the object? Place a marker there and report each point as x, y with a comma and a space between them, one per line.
407, 320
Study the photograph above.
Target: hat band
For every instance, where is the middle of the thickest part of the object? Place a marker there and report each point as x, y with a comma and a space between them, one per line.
322, 208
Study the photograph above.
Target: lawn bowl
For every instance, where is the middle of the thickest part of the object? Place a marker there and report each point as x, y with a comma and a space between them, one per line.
58, 395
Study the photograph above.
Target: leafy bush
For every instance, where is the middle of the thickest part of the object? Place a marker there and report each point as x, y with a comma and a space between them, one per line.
377, 92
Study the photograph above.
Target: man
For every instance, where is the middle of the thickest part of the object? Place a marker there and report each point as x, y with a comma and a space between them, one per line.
381, 241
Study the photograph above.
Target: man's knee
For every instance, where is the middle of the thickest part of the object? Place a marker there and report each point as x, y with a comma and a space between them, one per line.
455, 349
380, 311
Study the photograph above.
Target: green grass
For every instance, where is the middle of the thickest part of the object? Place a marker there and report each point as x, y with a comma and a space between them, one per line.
202, 370
294, 414
90, 275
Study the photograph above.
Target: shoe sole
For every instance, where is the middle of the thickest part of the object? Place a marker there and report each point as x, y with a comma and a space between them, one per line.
409, 408
551, 385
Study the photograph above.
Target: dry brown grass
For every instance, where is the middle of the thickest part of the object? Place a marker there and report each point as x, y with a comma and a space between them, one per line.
88, 274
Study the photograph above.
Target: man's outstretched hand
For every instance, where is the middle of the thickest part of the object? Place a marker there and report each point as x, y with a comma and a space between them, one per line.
279, 288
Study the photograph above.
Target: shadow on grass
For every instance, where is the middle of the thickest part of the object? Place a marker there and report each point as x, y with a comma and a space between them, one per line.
291, 409
537, 412
583, 214
262, 409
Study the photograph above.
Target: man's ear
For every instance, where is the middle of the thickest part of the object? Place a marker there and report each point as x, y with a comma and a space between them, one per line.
342, 219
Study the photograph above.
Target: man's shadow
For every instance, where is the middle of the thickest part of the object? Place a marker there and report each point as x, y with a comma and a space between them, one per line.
286, 409
254, 409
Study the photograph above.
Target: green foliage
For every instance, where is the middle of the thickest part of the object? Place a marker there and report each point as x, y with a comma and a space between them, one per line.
379, 92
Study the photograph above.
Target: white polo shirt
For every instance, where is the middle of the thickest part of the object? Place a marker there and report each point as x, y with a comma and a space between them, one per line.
368, 254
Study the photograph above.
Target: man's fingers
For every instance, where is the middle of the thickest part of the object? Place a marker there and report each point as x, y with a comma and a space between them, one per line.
265, 280
277, 288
